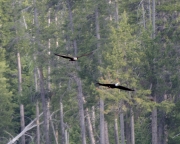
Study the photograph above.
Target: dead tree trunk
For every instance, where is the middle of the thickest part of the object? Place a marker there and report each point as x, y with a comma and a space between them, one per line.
62, 124
154, 126
20, 93
102, 141
19, 73
143, 13
116, 131
93, 118
106, 132
91, 135
154, 112
132, 126
44, 107
122, 123
22, 122
81, 109
72, 26
37, 123
150, 11
42, 91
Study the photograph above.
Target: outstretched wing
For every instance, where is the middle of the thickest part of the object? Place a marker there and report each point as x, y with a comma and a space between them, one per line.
67, 57
107, 85
86, 54
124, 88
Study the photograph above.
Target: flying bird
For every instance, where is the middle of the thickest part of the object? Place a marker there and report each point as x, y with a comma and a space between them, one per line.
73, 58
115, 86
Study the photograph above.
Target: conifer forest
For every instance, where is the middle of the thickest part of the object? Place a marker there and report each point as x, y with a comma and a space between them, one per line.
90, 71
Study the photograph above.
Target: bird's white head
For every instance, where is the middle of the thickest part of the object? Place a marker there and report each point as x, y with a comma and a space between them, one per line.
75, 58
117, 84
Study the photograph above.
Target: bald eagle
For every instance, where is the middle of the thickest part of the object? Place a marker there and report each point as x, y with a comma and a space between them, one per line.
115, 86
73, 58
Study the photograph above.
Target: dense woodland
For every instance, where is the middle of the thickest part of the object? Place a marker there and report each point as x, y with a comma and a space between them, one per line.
47, 99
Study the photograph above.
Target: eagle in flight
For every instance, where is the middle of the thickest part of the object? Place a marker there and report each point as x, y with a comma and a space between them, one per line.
115, 86
72, 58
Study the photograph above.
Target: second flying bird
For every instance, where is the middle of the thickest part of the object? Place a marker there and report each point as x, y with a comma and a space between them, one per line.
73, 58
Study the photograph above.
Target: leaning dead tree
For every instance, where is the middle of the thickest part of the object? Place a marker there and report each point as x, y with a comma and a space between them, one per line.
27, 128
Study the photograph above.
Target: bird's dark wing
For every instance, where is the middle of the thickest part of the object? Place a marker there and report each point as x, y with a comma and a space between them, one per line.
86, 54
67, 57
124, 88
107, 85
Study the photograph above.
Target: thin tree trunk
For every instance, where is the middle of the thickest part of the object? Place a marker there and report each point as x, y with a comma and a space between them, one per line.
116, 12
24, 20
81, 109
49, 53
49, 72
116, 131
154, 126
37, 123
98, 32
22, 123
19, 73
154, 112
20, 93
62, 124
132, 127
93, 118
53, 129
91, 135
44, 106
42, 91
127, 130
66, 137
102, 141
122, 123
72, 26
143, 13
106, 132
36, 79
154, 19
150, 11
57, 133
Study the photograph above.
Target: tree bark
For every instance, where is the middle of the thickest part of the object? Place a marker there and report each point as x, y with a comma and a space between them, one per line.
154, 18
22, 123
102, 141
49, 53
93, 118
44, 107
143, 13
154, 126
72, 26
127, 130
19, 73
91, 135
150, 11
81, 109
62, 124
154, 112
37, 123
53, 129
122, 123
66, 137
106, 132
20, 93
98, 32
132, 127
116, 131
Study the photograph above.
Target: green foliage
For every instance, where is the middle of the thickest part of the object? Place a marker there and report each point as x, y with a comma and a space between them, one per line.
6, 105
